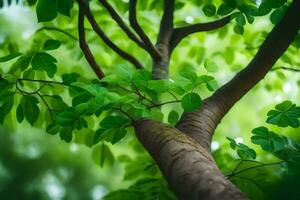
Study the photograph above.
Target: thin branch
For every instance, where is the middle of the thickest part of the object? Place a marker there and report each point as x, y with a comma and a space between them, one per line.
40, 81
182, 32
138, 29
84, 46
173, 95
166, 24
104, 37
286, 68
254, 167
250, 180
121, 23
161, 104
57, 30
125, 113
47, 105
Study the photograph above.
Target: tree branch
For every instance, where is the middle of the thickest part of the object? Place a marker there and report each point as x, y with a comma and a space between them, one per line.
135, 25
84, 46
104, 37
166, 24
215, 107
182, 32
57, 30
286, 68
122, 24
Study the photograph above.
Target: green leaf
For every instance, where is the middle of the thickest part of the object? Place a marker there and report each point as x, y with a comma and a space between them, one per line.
224, 9
240, 19
191, 102
66, 134
52, 44
69, 78
99, 135
30, 108
9, 57
209, 10
210, 66
46, 10
20, 113
113, 122
238, 29
243, 151
285, 114
102, 155
64, 6
22, 63
44, 61
268, 140
278, 14
173, 117
53, 128
6, 107
66, 118
233, 143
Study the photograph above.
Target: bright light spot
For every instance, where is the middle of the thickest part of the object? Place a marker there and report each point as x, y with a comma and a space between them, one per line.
287, 87
74, 148
189, 19
53, 187
33, 152
98, 192
278, 98
239, 140
18, 20
215, 145
55, 191
258, 2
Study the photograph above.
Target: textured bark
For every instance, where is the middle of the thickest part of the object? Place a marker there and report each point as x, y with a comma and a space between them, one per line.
187, 166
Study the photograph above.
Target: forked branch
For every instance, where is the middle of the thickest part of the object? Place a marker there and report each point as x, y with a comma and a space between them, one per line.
135, 25
182, 32
113, 13
104, 37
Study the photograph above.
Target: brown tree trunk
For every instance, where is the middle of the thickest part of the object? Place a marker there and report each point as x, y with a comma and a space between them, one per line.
183, 152
187, 166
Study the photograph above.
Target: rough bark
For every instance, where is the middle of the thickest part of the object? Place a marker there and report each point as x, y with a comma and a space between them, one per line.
187, 166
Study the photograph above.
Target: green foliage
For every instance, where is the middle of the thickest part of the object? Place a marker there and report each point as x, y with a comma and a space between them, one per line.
243, 151
52, 44
191, 102
285, 114
40, 87
268, 140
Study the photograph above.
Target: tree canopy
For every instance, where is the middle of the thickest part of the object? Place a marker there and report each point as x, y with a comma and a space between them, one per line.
154, 79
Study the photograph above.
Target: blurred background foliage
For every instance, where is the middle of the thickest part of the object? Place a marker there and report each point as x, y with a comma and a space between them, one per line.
35, 165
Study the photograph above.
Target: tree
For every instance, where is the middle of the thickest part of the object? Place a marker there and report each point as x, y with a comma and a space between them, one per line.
130, 97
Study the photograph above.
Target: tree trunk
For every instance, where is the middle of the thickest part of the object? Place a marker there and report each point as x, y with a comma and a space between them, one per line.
187, 166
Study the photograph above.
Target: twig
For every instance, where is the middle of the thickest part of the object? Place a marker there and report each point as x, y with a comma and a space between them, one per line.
40, 81
286, 68
254, 167
47, 105
57, 30
161, 104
